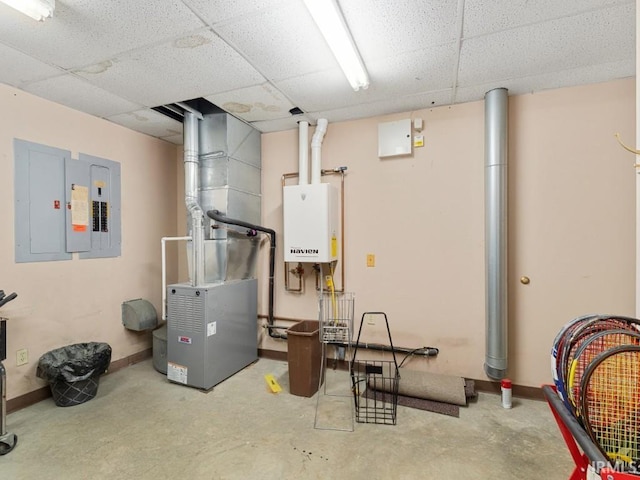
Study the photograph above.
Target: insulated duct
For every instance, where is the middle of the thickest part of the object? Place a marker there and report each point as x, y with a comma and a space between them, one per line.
303, 155
196, 217
495, 151
316, 147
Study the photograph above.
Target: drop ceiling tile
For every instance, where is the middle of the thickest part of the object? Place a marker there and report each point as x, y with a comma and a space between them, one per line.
565, 78
252, 104
177, 139
549, 47
283, 42
481, 17
385, 28
385, 107
430, 69
149, 122
323, 90
390, 77
24, 69
76, 93
222, 11
280, 124
83, 32
194, 66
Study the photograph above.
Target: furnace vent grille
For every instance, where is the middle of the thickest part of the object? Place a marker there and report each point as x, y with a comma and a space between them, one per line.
186, 313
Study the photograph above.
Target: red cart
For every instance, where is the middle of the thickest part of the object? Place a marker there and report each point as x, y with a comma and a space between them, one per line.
590, 462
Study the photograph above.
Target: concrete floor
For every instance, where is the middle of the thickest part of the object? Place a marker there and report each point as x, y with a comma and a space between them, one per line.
139, 426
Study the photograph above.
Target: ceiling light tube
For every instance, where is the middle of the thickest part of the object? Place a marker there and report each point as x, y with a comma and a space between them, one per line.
37, 9
330, 21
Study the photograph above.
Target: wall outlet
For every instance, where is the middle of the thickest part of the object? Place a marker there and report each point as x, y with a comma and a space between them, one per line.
371, 319
22, 357
371, 260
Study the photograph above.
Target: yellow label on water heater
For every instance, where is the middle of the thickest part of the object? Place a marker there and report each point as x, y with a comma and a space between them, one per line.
334, 246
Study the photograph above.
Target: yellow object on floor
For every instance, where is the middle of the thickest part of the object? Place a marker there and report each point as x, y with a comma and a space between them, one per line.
273, 385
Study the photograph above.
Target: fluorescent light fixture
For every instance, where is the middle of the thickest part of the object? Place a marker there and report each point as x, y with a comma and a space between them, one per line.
37, 9
330, 21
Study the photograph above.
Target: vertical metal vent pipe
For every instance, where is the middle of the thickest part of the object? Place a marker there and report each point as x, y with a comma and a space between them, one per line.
495, 151
196, 217
303, 154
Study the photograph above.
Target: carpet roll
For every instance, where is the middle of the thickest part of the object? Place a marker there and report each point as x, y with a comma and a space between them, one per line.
427, 385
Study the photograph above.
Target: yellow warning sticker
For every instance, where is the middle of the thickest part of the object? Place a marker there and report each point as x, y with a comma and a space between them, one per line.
334, 246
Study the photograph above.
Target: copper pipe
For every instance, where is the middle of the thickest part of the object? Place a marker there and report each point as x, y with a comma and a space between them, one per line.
298, 272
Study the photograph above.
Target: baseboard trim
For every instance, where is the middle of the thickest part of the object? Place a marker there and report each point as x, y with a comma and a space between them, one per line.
520, 391
43, 393
31, 398
485, 386
272, 354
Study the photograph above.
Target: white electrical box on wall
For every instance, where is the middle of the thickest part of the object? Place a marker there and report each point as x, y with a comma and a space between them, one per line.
310, 223
394, 138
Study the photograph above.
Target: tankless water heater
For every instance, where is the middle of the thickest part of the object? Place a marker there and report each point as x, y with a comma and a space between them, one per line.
310, 223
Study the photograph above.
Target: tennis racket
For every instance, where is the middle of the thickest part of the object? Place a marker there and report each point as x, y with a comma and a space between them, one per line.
586, 352
581, 333
610, 404
557, 349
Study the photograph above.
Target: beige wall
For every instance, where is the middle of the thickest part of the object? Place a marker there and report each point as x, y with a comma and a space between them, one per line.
65, 302
571, 224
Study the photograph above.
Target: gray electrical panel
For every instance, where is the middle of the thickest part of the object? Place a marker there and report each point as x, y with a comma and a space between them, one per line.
64, 205
39, 202
104, 207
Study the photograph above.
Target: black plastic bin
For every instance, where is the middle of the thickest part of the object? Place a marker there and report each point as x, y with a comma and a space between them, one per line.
304, 353
73, 372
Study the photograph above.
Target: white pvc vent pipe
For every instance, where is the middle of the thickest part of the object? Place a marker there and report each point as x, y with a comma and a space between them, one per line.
303, 155
316, 147
495, 150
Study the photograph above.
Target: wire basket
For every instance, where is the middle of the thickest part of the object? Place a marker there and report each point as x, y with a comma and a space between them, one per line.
336, 317
375, 384
375, 389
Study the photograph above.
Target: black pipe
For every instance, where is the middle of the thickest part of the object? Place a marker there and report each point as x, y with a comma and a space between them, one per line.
421, 351
8, 298
219, 217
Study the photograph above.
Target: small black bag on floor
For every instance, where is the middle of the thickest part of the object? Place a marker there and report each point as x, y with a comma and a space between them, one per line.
73, 372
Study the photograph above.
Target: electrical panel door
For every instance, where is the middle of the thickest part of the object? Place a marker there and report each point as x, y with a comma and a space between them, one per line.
39, 202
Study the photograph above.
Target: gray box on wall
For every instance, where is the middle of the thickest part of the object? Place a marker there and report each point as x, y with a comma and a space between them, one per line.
39, 202
64, 205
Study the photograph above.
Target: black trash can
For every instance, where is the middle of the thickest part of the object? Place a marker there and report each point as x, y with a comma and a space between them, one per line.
73, 372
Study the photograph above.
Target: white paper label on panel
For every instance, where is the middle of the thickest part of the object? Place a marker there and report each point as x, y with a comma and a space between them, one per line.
177, 373
211, 328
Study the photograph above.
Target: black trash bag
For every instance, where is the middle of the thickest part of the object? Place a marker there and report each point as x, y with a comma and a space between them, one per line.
74, 363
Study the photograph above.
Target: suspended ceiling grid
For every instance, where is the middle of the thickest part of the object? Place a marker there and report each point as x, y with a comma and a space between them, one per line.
257, 59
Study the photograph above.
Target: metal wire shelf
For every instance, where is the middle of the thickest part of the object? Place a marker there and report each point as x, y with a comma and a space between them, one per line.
336, 317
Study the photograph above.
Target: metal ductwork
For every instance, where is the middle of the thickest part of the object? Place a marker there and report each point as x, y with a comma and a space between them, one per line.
496, 145
230, 182
196, 216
